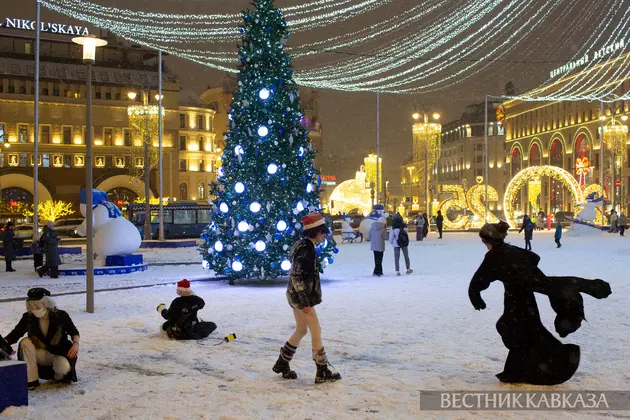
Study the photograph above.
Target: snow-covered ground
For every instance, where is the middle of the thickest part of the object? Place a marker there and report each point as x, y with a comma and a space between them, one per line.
390, 337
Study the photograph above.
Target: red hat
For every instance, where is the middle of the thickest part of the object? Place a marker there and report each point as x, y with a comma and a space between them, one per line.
183, 285
312, 220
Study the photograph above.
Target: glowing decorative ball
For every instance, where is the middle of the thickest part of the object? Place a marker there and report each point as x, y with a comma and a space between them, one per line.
218, 246
272, 168
281, 225
237, 266
239, 150
230, 117
300, 206
285, 265
309, 188
243, 226
331, 260
239, 187
224, 208
260, 246
220, 172
336, 250
264, 93
263, 131
205, 264
301, 151
255, 207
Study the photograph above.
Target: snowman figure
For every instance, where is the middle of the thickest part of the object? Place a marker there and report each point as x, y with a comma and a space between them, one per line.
378, 211
584, 223
113, 234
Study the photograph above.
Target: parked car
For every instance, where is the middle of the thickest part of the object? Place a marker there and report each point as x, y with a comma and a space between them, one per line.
25, 231
67, 227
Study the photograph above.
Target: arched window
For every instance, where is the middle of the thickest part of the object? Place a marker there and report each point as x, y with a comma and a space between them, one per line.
517, 161
556, 154
201, 191
183, 191
582, 147
534, 155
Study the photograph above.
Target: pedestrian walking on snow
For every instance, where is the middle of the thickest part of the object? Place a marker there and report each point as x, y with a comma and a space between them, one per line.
377, 237
399, 238
527, 226
622, 222
304, 292
419, 222
439, 222
558, 235
8, 241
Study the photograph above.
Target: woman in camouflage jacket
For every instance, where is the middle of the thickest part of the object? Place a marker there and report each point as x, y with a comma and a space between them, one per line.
304, 291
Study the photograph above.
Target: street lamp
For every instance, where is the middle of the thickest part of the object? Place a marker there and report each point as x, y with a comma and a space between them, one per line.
426, 146
89, 43
132, 95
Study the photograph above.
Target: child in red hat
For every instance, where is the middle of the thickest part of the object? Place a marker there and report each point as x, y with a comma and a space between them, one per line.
303, 293
181, 318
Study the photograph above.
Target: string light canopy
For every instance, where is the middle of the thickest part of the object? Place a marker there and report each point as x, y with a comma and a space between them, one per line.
430, 45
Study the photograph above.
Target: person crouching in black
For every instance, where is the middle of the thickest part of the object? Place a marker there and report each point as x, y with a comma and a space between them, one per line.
181, 318
47, 351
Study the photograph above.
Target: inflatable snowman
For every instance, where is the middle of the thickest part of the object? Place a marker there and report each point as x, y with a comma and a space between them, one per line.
378, 211
584, 222
113, 234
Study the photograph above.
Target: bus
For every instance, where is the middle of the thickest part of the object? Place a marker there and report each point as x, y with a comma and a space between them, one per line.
181, 220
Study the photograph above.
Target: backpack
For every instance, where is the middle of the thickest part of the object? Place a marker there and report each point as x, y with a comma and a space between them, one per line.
403, 239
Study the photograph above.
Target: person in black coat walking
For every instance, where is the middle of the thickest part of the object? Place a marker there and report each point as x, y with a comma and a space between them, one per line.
426, 224
50, 244
528, 226
181, 318
47, 351
304, 291
535, 356
8, 241
439, 222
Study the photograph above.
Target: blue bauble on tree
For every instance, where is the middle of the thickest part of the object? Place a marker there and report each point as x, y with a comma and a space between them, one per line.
277, 236
336, 250
273, 265
331, 260
318, 250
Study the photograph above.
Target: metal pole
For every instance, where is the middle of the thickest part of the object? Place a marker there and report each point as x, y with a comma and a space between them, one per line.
601, 151
88, 195
36, 133
160, 134
147, 172
486, 167
378, 143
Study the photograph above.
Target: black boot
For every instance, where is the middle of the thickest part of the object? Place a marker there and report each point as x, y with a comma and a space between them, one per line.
282, 366
324, 374
33, 385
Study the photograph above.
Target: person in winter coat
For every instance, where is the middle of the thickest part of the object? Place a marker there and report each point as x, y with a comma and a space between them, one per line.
549, 221
613, 221
47, 351
49, 242
399, 238
439, 223
304, 292
535, 356
558, 235
426, 225
377, 237
622, 222
8, 241
419, 222
527, 226
540, 221
38, 252
181, 318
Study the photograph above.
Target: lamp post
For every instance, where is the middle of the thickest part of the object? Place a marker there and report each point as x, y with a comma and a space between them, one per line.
89, 43
160, 97
426, 146
614, 137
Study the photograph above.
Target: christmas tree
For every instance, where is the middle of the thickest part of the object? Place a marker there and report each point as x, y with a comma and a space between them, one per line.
266, 181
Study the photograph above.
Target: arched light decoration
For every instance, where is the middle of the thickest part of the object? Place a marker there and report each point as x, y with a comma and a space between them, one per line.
255, 207
89, 43
243, 226
272, 168
237, 266
218, 246
285, 265
281, 225
264, 94
260, 246
224, 208
239, 187
263, 131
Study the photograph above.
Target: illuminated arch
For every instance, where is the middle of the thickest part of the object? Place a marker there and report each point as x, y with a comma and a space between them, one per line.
26, 183
123, 181
531, 173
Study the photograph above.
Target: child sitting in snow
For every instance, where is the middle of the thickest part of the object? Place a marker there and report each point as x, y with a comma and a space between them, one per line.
181, 318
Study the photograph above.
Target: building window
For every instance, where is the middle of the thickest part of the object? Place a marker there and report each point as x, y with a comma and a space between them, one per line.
11, 86
108, 96
182, 165
79, 161
479, 159
55, 89
67, 161
23, 133
99, 161
108, 136
201, 191
202, 166
200, 122
44, 135
67, 135
23, 160
22, 89
182, 142
14, 160
201, 148
119, 161
182, 120
67, 93
478, 172
183, 191
104, 76
45, 91
98, 95
46, 160
139, 162
127, 136
28, 49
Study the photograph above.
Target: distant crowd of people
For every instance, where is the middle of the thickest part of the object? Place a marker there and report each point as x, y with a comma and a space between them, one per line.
43, 246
